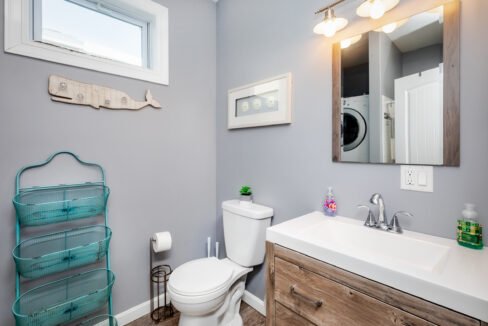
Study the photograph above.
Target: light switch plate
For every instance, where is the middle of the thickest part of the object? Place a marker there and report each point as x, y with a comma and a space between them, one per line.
417, 178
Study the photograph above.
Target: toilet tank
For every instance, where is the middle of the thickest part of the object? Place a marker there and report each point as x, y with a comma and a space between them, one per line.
245, 231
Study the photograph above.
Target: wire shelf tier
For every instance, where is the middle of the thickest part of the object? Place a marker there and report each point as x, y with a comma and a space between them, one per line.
46, 205
56, 252
64, 300
103, 320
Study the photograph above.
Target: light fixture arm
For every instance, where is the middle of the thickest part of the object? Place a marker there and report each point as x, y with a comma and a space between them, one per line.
330, 13
329, 7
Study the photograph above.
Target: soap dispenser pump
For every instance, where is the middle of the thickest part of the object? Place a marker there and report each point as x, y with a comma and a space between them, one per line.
330, 205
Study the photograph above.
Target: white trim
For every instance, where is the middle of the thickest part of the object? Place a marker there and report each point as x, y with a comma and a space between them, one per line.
136, 312
144, 308
19, 40
254, 302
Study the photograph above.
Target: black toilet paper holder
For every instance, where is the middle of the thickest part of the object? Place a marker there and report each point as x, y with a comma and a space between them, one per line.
159, 278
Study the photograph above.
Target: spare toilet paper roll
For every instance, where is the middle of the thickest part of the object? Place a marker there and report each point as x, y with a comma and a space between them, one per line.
161, 241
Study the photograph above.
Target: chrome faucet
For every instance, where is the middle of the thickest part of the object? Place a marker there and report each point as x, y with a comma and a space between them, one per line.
382, 223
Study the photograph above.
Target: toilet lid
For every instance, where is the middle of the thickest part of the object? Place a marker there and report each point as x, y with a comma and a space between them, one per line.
200, 276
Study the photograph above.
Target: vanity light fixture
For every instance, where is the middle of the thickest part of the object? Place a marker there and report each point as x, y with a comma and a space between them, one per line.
350, 41
331, 24
375, 8
369, 8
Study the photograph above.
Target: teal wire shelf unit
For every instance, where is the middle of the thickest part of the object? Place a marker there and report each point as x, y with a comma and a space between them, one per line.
80, 294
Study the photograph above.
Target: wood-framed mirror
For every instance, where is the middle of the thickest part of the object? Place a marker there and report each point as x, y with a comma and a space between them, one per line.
396, 91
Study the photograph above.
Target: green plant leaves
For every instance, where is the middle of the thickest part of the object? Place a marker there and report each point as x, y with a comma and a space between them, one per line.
246, 191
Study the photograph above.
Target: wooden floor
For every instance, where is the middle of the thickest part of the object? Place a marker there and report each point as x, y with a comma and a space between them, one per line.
250, 317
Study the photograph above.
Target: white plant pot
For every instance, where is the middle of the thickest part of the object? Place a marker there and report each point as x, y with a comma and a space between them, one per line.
245, 200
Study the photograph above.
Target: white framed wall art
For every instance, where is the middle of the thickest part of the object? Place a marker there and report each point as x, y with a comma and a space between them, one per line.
264, 103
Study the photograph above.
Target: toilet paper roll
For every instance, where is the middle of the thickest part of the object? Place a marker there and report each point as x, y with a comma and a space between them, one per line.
161, 241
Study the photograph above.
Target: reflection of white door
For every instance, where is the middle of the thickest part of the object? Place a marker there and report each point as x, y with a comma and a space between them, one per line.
419, 118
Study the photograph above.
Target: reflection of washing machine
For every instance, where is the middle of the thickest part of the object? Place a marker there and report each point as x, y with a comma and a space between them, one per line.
354, 129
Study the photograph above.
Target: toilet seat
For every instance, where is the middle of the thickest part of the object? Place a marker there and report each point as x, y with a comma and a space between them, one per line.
200, 280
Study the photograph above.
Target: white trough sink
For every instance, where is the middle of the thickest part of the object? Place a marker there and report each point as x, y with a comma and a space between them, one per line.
377, 246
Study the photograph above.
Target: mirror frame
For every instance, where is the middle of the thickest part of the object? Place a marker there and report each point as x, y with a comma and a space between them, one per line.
451, 91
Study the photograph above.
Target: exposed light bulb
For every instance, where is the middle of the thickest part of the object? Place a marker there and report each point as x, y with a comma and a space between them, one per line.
377, 9
329, 27
389, 28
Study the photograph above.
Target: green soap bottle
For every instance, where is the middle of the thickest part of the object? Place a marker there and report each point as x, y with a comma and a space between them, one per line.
469, 230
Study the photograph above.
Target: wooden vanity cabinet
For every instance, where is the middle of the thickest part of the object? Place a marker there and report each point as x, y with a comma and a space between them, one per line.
303, 291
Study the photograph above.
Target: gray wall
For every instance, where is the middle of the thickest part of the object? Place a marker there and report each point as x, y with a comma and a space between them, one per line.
290, 166
422, 59
160, 165
385, 63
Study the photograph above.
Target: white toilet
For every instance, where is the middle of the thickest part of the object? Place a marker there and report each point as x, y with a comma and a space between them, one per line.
208, 291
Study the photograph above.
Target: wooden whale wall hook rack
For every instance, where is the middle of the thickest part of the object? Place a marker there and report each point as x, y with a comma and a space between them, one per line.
74, 92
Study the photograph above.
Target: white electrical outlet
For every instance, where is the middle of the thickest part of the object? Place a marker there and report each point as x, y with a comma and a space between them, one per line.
417, 178
410, 176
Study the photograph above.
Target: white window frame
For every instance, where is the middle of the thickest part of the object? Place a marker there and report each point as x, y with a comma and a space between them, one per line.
19, 39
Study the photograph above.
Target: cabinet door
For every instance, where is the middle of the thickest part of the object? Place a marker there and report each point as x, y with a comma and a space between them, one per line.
325, 302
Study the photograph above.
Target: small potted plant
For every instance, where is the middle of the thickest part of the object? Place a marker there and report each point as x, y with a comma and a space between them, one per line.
246, 195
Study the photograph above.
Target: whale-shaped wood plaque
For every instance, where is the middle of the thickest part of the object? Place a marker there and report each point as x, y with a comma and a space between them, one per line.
74, 92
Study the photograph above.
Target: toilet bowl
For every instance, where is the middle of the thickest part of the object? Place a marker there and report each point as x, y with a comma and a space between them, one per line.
201, 291
208, 291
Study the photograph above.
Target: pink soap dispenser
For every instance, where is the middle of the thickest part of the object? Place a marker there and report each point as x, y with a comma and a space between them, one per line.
330, 205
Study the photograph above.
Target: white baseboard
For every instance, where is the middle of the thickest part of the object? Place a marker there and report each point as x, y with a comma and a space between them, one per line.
144, 308
254, 302
137, 312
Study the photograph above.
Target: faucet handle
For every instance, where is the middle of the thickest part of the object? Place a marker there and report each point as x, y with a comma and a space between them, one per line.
370, 220
394, 225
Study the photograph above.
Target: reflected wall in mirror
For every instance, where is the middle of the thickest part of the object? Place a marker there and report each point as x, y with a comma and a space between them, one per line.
392, 101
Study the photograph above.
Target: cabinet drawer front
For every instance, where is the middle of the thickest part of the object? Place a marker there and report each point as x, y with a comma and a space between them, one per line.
286, 317
325, 302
